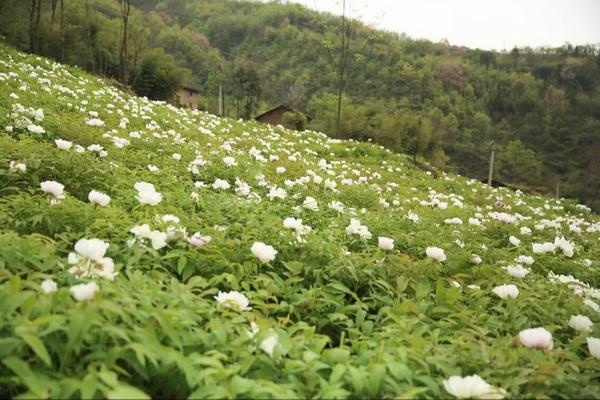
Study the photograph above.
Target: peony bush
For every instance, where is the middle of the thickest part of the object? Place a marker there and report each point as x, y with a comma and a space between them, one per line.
151, 251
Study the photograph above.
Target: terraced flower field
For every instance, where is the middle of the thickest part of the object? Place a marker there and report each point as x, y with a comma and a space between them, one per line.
147, 250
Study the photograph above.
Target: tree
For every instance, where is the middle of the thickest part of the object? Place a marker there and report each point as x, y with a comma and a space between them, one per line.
246, 89
34, 25
294, 120
517, 163
159, 77
123, 61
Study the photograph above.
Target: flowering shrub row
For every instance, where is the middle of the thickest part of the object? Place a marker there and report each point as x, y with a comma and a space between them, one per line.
147, 250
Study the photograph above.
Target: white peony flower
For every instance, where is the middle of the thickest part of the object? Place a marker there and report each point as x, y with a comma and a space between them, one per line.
144, 187
581, 323
297, 225
594, 346
268, 344
528, 260
474, 221
98, 198
148, 197
198, 240
542, 247
310, 204
411, 216
92, 249
292, 223
277, 193
517, 271
158, 239
18, 167
52, 187
49, 286
514, 241
229, 161
35, 129
84, 291
234, 300
536, 338
355, 228
475, 260
170, 219
471, 387
567, 247
89, 260
336, 206
263, 252
506, 291
385, 243
592, 304
221, 184
254, 329
94, 122
63, 144
436, 253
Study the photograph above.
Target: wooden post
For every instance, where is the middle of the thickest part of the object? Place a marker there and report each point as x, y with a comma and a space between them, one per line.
492, 156
220, 100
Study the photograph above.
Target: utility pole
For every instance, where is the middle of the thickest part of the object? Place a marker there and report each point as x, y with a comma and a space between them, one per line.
220, 100
492, 156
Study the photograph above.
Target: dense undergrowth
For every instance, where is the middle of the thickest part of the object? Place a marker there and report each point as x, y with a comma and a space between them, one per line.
335, 308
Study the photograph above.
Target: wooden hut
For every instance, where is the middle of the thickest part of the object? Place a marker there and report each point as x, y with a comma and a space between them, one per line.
188, 97
274, 116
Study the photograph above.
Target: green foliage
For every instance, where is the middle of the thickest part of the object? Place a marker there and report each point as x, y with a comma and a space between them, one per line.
294, 120
516, 161
159, 78
262, 54
351, 320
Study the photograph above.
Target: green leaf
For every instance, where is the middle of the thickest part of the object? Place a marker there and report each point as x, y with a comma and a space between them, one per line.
8, 345
33, 382
126, 392
37, 346
240, 385
181, 263
337, 372
335, 356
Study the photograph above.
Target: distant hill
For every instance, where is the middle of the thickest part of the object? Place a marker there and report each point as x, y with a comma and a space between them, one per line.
540, 106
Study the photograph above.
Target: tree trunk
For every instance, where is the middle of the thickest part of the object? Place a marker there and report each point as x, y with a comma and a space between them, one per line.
32, 27
53, 4
346, 31
38, 10
125, 8
62, 30
85, 34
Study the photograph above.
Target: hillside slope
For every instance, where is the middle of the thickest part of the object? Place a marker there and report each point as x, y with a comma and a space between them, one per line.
447, 103
381, 280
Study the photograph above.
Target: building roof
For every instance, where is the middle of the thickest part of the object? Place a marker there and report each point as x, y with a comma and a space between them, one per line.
190, 89
281, 106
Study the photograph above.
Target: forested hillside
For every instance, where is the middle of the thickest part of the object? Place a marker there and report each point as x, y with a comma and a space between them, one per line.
540, 106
